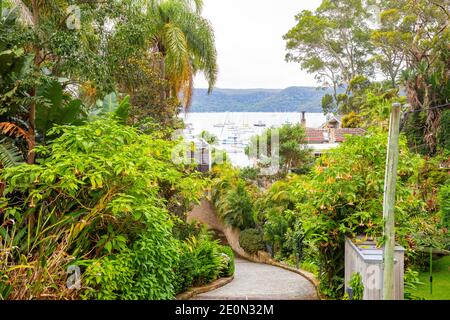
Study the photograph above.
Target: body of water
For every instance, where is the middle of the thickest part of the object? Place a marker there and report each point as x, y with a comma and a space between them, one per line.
234, 129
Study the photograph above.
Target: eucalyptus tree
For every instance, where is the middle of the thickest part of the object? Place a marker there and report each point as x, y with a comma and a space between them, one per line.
333, 43
418, 31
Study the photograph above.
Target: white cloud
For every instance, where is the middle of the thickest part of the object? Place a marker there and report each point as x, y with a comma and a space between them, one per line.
250, 45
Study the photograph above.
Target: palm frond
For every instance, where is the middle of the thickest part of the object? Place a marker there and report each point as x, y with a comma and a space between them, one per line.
200, 38
177, 49
186, 41
14, 130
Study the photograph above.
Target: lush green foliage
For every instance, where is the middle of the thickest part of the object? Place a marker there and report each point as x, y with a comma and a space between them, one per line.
183, 230
237, 209
233, 198
444, 204
251, 240
275, 213
54, 71
342, 197
229, 270
411, 283
196, 248
201, 262
143, 272
99, 194
351, 120
105, 197
249, 173
357, 286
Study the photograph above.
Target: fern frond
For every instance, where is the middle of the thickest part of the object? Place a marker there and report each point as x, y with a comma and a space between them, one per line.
10, 155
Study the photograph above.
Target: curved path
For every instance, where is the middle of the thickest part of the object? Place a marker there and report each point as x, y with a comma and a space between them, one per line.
254, 281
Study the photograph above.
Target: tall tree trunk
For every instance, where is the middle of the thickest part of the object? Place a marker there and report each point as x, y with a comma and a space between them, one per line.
31, 129
32, 113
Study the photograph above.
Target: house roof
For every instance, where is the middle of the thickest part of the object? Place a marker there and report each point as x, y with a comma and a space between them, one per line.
331, 118
342, 132
315, 136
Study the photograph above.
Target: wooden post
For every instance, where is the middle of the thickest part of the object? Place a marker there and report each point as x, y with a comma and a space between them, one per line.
389, 203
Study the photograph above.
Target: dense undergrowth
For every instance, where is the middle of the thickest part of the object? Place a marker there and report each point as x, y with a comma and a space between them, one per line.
304, 219
98, 199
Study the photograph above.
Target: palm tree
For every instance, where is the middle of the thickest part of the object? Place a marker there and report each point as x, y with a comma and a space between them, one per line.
186, 45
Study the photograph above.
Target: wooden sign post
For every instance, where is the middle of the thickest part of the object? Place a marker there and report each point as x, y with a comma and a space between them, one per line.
389, 203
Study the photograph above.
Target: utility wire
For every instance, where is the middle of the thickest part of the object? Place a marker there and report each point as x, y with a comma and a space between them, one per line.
431, 108
405, 114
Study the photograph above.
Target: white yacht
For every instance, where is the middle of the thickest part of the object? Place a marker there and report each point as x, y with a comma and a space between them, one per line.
260, 124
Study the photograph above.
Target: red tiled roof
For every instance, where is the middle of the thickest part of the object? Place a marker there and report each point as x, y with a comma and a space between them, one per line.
315, 135
342, 132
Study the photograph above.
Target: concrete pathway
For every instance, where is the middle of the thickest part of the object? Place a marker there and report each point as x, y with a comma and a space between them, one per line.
254, 281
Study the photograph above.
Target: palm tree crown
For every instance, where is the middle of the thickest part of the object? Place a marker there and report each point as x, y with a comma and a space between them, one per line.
185, 41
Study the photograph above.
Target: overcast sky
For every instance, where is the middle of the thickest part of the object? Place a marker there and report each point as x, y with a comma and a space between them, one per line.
250, 46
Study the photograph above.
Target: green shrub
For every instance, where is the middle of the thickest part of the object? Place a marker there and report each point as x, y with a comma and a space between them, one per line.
357, 286
228, 255
444, 131
412, 281
185, 270
209, 262
251, 240
342, 197
249, 173
414, 131
236, 208
183, 230
97, 197
202, 261
143, 273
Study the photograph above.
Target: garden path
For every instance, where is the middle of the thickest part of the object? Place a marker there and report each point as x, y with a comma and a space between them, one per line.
254, 281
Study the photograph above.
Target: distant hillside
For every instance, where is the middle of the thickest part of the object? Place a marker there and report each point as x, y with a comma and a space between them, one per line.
292, 99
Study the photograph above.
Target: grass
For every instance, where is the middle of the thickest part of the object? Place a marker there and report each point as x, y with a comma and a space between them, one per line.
441, 281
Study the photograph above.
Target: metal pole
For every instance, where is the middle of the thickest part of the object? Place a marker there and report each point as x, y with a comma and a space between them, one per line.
389, 203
